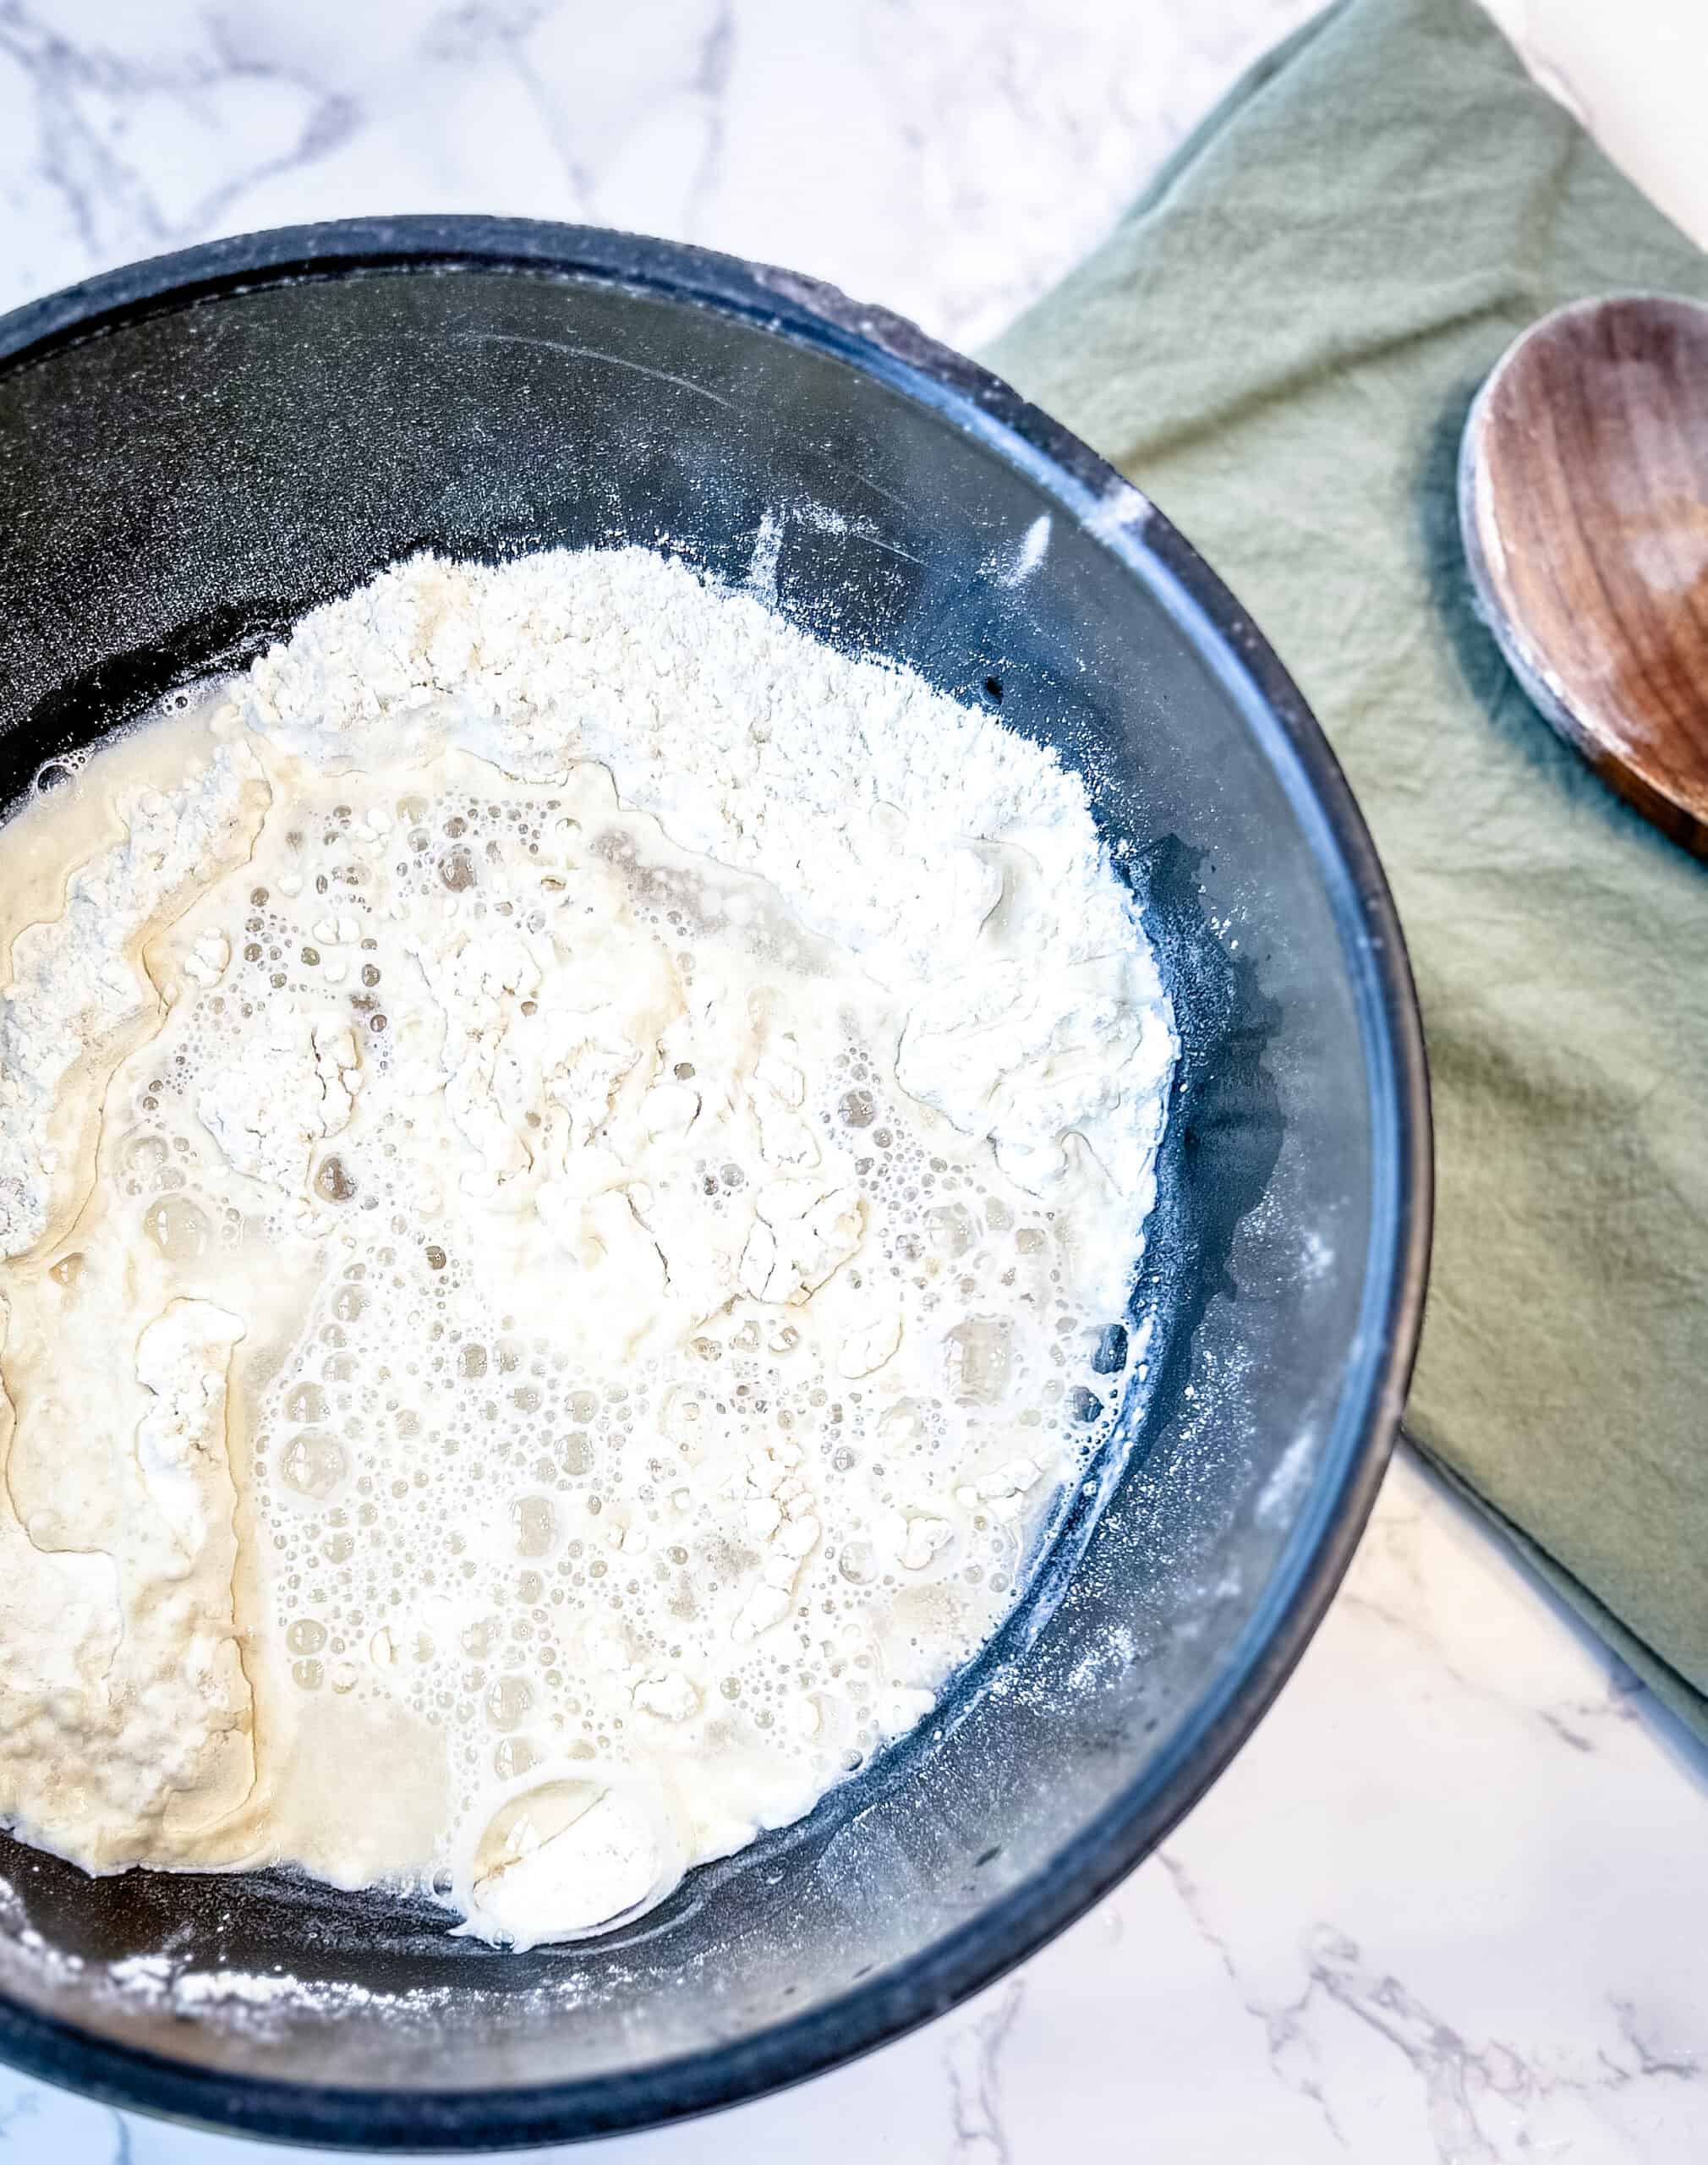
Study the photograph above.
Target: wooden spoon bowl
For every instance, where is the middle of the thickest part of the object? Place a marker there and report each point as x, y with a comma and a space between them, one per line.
1584, 505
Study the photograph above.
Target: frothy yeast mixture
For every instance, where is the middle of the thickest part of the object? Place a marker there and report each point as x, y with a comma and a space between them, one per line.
569, 1157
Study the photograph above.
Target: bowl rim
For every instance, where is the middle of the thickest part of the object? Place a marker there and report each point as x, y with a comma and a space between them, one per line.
1122, 519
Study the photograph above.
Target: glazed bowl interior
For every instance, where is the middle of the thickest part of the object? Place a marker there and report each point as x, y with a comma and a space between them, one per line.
192, 453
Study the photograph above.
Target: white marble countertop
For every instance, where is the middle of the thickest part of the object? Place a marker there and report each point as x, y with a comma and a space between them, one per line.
1449, 1903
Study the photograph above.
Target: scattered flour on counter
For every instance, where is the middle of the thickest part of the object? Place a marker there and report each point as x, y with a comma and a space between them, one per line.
574, 1158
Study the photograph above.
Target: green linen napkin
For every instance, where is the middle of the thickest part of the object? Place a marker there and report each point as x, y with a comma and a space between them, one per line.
1279, 343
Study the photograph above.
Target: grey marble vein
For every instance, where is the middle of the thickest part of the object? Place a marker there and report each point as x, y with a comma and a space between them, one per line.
89, 102
1291, 2050
710, 82
973, 2062
1459, 2078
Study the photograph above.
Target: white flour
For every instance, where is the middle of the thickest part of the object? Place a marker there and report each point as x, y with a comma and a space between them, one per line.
605, 1136
76, 990
959, 863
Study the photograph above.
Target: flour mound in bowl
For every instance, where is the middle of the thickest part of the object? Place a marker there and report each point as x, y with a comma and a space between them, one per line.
570, 1163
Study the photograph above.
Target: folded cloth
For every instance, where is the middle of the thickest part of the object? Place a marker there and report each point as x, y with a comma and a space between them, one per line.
1279, 343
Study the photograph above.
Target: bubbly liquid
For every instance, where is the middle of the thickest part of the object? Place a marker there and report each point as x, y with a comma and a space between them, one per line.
643, 1405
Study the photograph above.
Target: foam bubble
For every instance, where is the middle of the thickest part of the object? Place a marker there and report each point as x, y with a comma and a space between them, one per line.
724, 1555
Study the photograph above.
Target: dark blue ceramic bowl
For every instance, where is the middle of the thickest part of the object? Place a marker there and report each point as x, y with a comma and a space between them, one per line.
195, 450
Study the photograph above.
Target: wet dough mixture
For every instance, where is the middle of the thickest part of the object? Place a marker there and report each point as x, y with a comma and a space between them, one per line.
571, 1160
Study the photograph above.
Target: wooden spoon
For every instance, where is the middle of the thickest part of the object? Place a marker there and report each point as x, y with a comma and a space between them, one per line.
1583, 498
